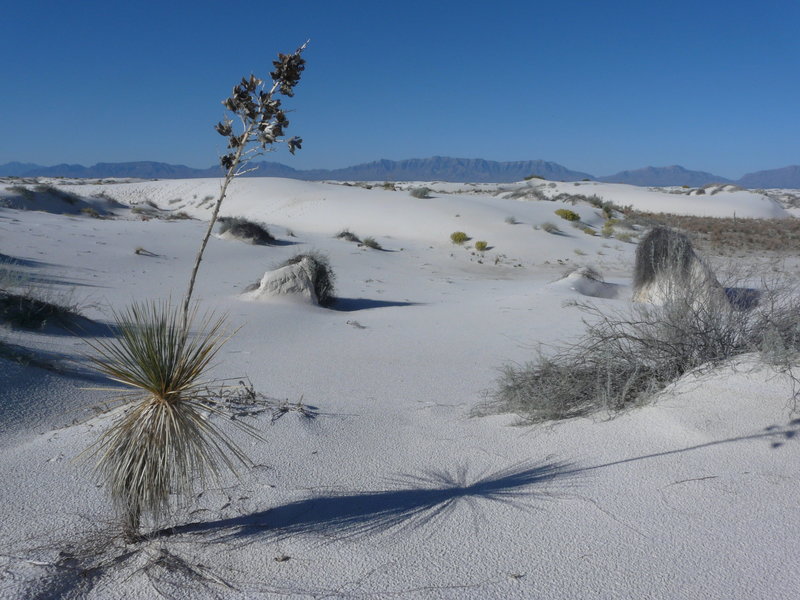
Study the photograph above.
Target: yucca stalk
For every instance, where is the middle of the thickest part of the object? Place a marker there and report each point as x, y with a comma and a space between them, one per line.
164, 444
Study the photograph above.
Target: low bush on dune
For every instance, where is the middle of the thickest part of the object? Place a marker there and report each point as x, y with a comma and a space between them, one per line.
321, 275
481, 246
347, 235
421, 192
248, 231
371, 242
623, 359
568, 215
28, 311
459, 237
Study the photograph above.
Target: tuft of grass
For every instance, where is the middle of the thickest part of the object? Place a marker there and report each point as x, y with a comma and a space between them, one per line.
68, 197
459, 237
90, 212
346, 234
511, 221
421, 192
164, 445
550, 227
248, 231
370, 242
27, 310
321, 274
481, 246
567, 215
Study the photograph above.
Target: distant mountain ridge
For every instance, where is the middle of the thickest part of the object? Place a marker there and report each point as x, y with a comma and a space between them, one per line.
436, 168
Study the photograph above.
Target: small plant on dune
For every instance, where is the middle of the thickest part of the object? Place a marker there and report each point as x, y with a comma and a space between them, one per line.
164, 446
321, 275
481, 246
421, 192
459, 237
346, 234
243, 229
550, 227
568, 215
511, 220
370, 242
588, 231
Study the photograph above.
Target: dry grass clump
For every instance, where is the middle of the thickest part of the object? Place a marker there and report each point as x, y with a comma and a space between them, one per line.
164, 444
347, 235
248, 231
372, 243
624, 358
420, 192
731, 235
459, 237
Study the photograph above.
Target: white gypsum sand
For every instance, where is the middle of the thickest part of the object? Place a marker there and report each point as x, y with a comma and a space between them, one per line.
392, 490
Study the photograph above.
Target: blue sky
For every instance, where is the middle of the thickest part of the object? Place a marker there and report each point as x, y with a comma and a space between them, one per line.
596, 86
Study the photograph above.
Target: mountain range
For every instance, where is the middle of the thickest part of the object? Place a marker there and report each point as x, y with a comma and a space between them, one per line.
437, 168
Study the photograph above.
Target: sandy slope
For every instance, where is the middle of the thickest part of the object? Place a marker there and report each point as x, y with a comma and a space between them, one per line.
392, 490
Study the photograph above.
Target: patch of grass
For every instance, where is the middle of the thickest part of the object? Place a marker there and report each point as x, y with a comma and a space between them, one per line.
550, 227
321, 275
459, 237
248, 231
346, 234
68, 197
588, 231
370, 242
21, 190
481, 246
90, 212
567, 215
421, 192
511, 221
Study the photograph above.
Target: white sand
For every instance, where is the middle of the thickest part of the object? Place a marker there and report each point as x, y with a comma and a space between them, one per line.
393, 490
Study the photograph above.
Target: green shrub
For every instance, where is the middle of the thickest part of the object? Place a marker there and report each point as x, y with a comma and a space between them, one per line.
90, 212
459, 237
529, 177
512, 221
588, 231
568, 215
481, 246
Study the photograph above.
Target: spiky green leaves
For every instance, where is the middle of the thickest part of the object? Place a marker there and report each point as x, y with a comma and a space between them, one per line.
164, 444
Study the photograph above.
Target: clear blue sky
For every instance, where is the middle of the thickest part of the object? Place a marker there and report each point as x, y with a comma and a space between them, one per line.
596, 86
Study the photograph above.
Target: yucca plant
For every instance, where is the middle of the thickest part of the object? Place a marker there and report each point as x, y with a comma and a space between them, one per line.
164, 444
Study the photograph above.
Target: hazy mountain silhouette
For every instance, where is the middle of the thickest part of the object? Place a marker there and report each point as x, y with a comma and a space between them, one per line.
437, 168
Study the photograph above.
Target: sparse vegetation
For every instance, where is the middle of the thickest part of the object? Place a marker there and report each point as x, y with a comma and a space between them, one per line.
245, 230
481, 246
550, 227
624, 358
346, 234
459, 237
512, 221
321, 275
567, 215
370, 242
68, 197
588, 231
90, 212
421, 192
27, 310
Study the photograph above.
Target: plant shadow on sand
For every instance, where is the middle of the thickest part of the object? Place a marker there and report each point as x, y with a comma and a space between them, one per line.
421, 501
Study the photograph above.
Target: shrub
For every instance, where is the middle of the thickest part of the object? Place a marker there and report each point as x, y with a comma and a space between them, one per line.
459, 237
421, 192
568, 215
370, 242
512, 221
529, 177
27, 310
624, 358
608, 227
550, 227
345, 234
238, 227
624, 236
321, 275
588, 230
90, 212
481, 246
68, 197
164, 444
